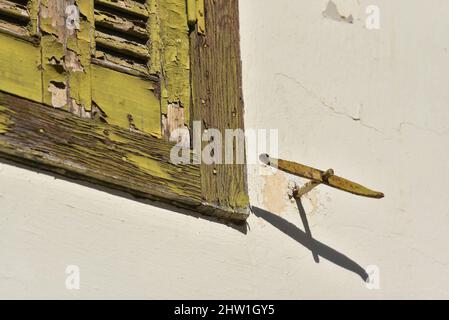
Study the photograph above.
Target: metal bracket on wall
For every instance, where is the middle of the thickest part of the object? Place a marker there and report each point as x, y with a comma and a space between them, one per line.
196, 15
318, 177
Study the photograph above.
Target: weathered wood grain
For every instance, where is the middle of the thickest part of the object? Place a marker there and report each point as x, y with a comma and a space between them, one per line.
218, 98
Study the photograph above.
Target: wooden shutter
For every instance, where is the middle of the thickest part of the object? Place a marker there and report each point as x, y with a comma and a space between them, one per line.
99, 101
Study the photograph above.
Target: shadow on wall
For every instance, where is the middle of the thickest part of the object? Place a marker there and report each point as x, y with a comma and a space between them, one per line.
31, 166
305, 238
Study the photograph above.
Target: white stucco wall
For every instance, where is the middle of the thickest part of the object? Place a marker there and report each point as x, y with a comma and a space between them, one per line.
372, 104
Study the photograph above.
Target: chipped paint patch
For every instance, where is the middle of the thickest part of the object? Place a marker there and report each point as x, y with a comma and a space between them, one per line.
173, 120
58, 92
170, 48
79, 111
72, 62
332, 12
274, 193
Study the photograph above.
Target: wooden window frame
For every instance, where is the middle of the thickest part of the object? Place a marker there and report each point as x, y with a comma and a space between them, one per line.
50, 139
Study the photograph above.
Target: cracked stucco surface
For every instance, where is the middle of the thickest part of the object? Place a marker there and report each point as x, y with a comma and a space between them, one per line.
373, 105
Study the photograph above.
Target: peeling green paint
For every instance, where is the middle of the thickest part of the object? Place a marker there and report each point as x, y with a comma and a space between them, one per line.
122, 96
19, 73
66, 52
170, 52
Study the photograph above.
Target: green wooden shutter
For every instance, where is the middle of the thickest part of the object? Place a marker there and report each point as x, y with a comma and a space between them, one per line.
127, 63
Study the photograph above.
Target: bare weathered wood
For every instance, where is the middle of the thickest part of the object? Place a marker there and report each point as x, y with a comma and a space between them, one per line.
218, 98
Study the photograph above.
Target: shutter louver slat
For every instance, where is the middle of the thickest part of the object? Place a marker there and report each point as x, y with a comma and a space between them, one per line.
121, 34
14, 16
